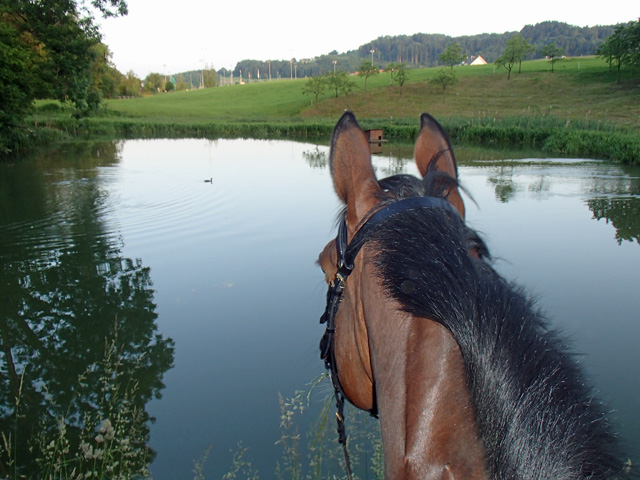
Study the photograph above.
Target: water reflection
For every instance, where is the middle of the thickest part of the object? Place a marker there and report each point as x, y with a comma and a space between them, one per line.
622, 213
316, 158
235, 284
621, 205
614, 190
504, 184
78, 335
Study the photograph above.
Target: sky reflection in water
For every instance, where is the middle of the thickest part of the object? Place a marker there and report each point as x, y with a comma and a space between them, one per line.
234, 282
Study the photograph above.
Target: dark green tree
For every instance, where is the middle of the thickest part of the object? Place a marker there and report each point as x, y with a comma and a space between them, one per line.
622, 48
633, 41
104, 75
16, 87
52, 45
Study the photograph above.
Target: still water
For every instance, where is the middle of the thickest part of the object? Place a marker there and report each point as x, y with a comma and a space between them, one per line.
210, 291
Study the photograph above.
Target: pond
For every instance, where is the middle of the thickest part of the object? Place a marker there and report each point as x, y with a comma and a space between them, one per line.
192, 262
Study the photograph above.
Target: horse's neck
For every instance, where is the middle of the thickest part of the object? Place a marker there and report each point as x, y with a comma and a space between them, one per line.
426, 415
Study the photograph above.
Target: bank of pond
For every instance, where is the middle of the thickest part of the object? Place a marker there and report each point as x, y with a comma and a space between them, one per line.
549, 134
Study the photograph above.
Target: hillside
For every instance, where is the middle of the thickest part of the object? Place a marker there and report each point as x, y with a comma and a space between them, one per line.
581, 88
423, 50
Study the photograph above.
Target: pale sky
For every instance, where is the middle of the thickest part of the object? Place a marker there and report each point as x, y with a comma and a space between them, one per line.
181, 35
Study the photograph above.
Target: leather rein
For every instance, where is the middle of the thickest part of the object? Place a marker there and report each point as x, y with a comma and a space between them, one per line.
347, 253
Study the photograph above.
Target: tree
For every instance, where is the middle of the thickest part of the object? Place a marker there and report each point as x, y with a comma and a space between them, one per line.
55, 46
452, 55
104, 74
347, 84
522, 47
67, 40
129, 85
154, 82
16, 87
633, 43
552, 52
314, 86
621, 47
391, 67
400, 74
339, 82
210, 77
516, 50
444, 79
366, 70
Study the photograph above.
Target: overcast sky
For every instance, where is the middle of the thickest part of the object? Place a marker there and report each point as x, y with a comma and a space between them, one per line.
181, 35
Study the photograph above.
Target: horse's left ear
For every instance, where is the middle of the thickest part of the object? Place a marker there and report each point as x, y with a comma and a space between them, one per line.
353, 176
433, 151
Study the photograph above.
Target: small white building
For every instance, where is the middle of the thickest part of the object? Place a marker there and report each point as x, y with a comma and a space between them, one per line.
479, 61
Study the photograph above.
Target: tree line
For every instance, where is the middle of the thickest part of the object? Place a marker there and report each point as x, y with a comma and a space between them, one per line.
423, 50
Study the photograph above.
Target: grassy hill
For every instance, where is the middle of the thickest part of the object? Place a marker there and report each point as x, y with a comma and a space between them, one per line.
581, 99
580, 88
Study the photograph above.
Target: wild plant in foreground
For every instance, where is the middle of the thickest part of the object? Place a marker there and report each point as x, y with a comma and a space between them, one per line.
324, 456
241, 469
100, 434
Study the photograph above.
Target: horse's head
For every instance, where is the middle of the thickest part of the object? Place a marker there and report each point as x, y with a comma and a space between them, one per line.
423, 330
363, 195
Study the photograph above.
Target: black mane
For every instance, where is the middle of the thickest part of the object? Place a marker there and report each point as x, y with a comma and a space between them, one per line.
536, 416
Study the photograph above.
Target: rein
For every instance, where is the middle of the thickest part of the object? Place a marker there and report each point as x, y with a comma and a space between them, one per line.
347, 253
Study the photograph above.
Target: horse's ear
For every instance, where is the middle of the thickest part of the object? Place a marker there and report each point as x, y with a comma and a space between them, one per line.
353, 176
433, 152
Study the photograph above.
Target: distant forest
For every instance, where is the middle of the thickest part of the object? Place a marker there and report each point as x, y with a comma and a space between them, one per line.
423, 50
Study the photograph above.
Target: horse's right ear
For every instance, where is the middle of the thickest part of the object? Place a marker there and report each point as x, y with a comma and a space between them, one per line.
353, 176
433, 153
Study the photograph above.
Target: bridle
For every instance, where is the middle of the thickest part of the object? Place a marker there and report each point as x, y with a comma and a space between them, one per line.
347, 253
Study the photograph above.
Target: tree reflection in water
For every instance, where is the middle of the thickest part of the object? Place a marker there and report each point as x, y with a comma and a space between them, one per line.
615, 190
622, 212
79, 349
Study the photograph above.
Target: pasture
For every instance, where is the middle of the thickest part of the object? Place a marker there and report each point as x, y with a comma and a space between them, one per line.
579, 89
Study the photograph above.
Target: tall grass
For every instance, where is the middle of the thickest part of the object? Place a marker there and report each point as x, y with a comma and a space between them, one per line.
316, 454
107, 440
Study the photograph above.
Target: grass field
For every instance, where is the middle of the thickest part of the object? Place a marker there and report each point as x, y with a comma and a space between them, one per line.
579, 89
575, 105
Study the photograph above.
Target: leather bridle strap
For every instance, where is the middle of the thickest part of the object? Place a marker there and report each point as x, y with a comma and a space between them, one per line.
347, 252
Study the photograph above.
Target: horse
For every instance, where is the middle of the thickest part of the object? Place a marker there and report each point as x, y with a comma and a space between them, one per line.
467, 376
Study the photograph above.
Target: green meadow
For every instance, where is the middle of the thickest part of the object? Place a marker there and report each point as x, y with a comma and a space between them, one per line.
579, 109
